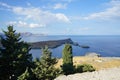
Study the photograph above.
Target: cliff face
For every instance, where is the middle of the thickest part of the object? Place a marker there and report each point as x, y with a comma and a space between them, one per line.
51, 43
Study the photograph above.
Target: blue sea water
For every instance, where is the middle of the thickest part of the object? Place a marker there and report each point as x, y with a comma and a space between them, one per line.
107, 46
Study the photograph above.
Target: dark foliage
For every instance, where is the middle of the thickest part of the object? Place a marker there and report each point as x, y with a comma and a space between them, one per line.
14, 55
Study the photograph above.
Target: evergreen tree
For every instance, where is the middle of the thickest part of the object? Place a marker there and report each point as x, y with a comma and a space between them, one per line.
45, 69
14, 55
67, 57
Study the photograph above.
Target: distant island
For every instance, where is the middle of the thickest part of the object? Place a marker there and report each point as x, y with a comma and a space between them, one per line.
32, 34
54, 44
50, 43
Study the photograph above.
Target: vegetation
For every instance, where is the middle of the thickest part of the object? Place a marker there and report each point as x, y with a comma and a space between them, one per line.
45, 69
25, 76
67, 57
14, 55
85, 68
16, 62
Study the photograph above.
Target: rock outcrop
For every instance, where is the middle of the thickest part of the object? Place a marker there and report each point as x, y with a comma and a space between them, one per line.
92, 54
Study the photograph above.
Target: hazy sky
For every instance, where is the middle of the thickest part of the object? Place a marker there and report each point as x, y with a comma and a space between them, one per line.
59, 17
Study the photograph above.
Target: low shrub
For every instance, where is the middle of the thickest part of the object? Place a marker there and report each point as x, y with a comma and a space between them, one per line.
84, 68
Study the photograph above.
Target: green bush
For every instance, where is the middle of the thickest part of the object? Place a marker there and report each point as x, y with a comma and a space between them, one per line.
85, 68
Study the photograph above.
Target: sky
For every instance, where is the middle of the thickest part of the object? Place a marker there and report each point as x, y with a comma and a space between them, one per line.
61, 17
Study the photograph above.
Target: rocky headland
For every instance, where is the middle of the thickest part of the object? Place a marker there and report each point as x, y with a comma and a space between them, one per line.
54, 44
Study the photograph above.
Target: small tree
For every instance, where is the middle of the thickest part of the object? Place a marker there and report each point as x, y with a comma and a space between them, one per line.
45, 69
67, 57
14, 55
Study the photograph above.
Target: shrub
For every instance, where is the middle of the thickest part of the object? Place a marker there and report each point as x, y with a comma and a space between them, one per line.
85, 68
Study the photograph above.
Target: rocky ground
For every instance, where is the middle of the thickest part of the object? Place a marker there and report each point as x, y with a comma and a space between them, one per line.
107, 68
105, 74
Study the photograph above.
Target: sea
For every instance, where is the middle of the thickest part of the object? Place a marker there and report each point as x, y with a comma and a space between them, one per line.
105, 45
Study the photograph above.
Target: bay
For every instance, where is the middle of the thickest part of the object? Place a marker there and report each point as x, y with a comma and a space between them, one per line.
107, 46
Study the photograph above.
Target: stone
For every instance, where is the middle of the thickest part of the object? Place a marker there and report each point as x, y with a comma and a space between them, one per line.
92, 54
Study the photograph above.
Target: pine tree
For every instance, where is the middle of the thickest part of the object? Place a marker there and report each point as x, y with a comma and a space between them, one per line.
45, 69
46, 59
14, 55
67, 57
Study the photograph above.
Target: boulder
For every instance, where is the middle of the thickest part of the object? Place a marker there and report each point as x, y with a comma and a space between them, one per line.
92, 54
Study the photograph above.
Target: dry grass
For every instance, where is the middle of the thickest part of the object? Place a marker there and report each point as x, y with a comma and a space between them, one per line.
98, 62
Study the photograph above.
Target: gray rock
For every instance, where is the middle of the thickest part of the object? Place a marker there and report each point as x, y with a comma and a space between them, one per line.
92, 54
106, 74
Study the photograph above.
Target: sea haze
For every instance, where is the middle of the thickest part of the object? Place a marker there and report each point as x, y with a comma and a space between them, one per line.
107, 46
